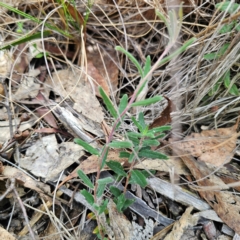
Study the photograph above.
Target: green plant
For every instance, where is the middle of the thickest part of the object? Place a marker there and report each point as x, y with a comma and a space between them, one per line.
225, 80
136, 145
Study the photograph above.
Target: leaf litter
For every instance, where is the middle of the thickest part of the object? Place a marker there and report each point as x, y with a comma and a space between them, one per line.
68, 104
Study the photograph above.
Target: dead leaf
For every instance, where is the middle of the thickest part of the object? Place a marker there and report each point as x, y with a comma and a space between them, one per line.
2, 93
211, 146
5, 234
5, 63
47, 116
121, 226
226, 204
164, 117
163, 165
72, 84
46, 158
102, 69
26, 181
5, 130
187, 220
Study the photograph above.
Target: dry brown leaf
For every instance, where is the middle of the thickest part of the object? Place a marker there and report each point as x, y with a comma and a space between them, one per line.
46, 158
72, 84
211, 146
47, 116
163, 165
164, 117
5, 63
1, 92
121, 226
102, 69
226, 204
26, 181
28, 88
5, 235
187, 220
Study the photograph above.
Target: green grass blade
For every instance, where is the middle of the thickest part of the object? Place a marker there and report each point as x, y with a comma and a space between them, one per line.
177, 52
132, 58
87, 147
85, 179
27, 16
26, 38
108, 103
147, 102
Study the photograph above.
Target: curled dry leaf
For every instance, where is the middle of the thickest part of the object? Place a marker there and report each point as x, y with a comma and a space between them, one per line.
5, 130
46, 158
226, 204
102, 69
187, 220
165, 116
215, 147
28, 87
26, 181
5, 63
4, 234
121, 226
68, 83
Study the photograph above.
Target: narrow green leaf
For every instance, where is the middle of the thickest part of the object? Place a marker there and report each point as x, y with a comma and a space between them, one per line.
162, 17
120, 144
149, 134
234, 90
152, 154
150, 142
147, 102
26, 38
132, 58
100, 190
215, 55
210, 56
103, 206
214, 89
115, 191
138, 125
147, 66
227, 81
134, 140
104, 157
108, 103
104, 181
237, 28
123, 103
127, 203
177, 52
131, 158
86, 146
134, 134
117, 168
159, 136
120, 202
227, 6
138, 178
141, 121
88, 196
85, 179
34, 19
226, 28
124, 154
159, 129
147, 173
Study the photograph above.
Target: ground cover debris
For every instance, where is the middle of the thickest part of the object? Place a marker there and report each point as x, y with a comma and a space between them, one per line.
119, 119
